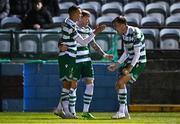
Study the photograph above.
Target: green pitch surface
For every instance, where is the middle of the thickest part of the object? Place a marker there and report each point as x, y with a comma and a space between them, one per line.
50, 118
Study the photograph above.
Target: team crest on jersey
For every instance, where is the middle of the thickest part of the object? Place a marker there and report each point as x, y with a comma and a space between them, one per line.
128, 39
66, 65
70, 75
128, 45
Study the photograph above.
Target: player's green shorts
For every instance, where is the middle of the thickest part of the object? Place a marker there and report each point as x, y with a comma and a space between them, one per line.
136, 71
66, 67
84, 70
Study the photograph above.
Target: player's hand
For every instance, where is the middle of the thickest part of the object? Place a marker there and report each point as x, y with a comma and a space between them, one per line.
36, 26
63, 47
112, 67
125, 71
99, 29
108, 56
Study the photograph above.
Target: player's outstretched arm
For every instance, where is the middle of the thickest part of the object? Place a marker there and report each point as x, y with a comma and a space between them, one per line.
97, 48
113, 66
99, 29
87, 40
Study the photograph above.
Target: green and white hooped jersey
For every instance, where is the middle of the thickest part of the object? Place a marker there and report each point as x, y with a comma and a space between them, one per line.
69, 33
134, 38
83, 54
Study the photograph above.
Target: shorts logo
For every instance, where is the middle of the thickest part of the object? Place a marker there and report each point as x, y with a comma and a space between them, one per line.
70, 75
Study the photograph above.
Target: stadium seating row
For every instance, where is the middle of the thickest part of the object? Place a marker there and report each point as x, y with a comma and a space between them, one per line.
117, 6
134, 19
159, 13
46, 41
102, 2
158, 19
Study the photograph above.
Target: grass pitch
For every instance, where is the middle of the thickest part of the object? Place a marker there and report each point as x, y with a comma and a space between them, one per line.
50, 118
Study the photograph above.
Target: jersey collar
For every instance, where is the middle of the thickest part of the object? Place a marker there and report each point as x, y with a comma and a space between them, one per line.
70, 22
128, 30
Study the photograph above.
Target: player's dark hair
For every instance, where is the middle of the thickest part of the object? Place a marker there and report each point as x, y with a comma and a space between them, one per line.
85, 13
36, 1
120, 19
73, 9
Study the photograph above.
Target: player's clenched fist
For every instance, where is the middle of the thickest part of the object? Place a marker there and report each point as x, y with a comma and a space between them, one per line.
125, 71
99, 29
108, 56
112, 67
63, 47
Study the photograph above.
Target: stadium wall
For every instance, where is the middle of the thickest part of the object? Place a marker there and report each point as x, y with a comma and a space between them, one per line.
11, 87
159, 84
42, 88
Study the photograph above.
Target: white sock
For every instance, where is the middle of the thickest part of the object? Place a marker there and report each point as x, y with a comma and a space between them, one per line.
59, 107
65, 99
72, 100
87, 98
122, 94
126, 109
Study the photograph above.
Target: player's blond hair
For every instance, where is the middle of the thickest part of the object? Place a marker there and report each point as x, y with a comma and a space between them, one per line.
85, 13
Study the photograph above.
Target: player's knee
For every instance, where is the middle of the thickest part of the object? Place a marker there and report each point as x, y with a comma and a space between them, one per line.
120, 83
74, 84
66, 85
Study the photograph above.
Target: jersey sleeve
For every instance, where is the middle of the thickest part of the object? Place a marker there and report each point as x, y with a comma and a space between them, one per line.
138, 37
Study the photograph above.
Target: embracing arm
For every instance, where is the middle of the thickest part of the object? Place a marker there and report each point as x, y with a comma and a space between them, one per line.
97, 48
87, 40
